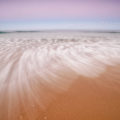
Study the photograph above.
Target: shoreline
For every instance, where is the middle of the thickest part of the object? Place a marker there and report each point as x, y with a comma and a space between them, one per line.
62, 77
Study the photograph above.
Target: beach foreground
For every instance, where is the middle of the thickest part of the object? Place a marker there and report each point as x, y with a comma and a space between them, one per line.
59, 76
89, 99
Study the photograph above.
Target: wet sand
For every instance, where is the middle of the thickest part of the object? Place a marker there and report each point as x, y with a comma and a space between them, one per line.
90, 99
86, 99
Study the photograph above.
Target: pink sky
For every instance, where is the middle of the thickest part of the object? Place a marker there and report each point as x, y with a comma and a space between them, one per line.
58, 10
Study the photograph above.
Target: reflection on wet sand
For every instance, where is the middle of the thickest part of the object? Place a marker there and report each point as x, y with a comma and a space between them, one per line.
68, 77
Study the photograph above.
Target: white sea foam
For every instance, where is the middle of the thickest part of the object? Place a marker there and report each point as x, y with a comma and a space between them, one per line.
34, 66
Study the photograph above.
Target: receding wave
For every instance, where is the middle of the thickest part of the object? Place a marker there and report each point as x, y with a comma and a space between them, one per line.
34, 69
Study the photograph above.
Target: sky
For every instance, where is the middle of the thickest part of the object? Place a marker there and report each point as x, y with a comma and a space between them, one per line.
60, 14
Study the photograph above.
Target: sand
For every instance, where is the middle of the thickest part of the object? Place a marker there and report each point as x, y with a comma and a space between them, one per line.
71, 77
89, 99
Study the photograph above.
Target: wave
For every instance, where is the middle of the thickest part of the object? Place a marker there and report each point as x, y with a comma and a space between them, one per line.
33, 70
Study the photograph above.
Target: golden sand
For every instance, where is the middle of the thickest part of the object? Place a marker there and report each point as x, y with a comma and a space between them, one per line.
86, 99
89, 99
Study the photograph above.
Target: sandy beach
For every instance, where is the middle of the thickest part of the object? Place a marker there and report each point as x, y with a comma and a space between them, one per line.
87, 99
61, 77
90, 99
